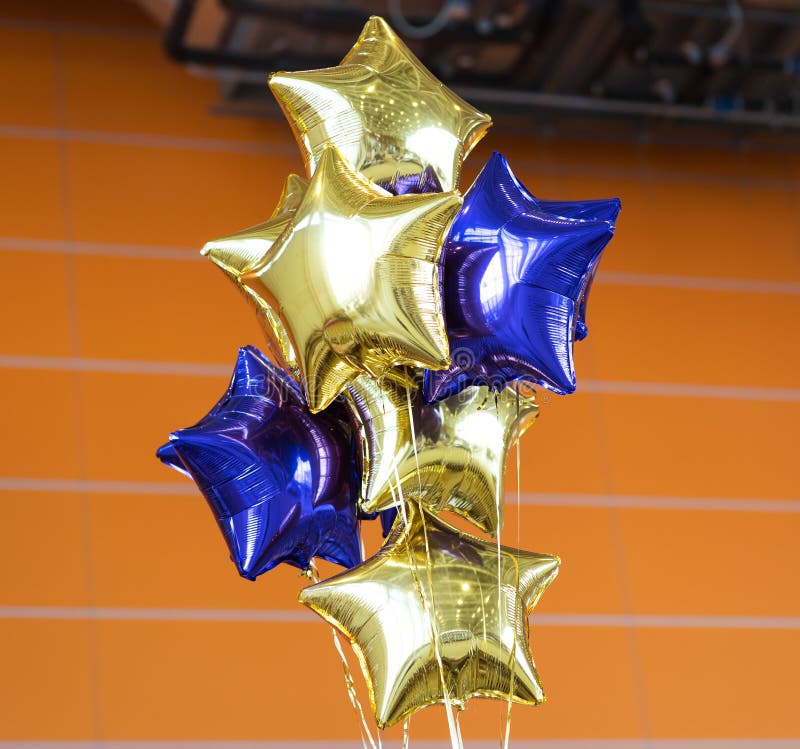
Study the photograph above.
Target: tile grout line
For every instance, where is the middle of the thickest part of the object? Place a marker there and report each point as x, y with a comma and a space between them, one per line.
239, 145
611, 278
149, 140
77, 383
532, 499
300, 615
583, 743
208, 369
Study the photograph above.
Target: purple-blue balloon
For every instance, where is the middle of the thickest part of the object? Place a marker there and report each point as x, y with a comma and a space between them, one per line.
584, 210
408, 184
282, 482
516, 274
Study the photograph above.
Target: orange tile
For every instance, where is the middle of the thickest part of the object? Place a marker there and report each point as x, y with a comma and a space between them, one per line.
138, 89
212, 680
184, 562
128, 416
27, 90
584, 671
704, 683
671, 160
698, 229
671, 446
43, 539
766, 165
662, 550
182, 534
206, 680
165, 197
46, 692
165, 310
41, 414
581, 155
710, 563
560, 452
680, 335
590, 580
36, 315
654, 445
31, 193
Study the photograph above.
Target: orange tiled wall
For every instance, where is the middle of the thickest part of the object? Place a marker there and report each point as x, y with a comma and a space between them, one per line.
668, 483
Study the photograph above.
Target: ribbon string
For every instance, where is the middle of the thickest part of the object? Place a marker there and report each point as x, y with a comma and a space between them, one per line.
367, 739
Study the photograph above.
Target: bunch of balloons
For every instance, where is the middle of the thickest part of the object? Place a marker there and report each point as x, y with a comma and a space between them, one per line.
408, 326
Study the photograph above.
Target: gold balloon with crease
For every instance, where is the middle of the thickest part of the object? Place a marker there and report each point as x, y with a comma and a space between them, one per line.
461, 447
481, 632
383, 109
236, 253
354, 280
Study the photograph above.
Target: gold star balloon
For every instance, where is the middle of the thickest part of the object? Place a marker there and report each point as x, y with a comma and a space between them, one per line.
433, 588
386, 113
354, 280
236, 253
448, 455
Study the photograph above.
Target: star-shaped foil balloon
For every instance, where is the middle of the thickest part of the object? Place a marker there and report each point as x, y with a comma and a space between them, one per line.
449, 455
512, 196
515, 278
236, 253
281, 482
354, 280
386, 113
479, 630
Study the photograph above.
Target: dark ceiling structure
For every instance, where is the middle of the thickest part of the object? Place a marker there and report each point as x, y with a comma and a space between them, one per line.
721, 70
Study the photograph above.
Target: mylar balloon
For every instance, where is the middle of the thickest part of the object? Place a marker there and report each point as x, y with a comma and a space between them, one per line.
354, 280
515, 277
449, 455
383, 110
512, 196
281, 482
432, 593
236, 253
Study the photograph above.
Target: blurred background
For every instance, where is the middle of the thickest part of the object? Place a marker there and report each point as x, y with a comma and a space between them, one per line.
131, 133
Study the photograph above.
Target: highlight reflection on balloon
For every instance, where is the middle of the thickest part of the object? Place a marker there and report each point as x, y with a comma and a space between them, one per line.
448, 455
481, 631
384, 111
281, 482
515, 278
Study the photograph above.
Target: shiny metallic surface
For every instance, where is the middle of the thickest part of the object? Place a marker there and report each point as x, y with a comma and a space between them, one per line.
428, 621
516, 276
447, 455
403, 184
282, 482
354, 280
384, 111
236, 253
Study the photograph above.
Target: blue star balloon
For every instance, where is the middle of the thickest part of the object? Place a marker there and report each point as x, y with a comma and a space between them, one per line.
584, 210
281, 482
516, 275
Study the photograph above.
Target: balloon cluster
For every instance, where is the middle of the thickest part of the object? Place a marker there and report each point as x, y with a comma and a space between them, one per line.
408, 326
